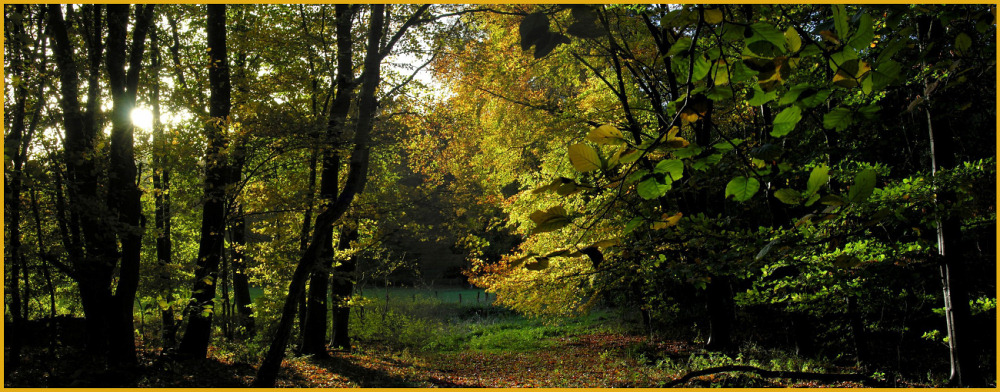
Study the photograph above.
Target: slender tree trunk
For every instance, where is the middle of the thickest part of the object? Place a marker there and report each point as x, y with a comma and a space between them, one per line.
241, 284
12, 190
958, 316
42, 251
201, 306
161, 203
357, 177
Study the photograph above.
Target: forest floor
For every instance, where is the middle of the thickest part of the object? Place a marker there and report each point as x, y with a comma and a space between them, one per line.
590, 360
429, 343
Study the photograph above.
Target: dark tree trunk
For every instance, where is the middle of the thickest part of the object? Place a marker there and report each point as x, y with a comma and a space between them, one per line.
720, 314
201, 306
357, 177
123, 190
12, 188
342, 288
241, 284
314, 329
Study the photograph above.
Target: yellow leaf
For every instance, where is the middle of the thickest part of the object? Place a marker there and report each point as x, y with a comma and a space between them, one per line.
606, 134
673, 141
689, 116
584, 158
721, 73
713, 16
668, 221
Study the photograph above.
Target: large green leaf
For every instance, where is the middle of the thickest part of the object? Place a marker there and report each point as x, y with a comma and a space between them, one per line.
838, 118
742, 188
819, 176
862, 38
672, 168
651, 188
682, 44
584, 158
760, 97
788, 196
785, 121
840, 21
792, 40
767, 32
864, 185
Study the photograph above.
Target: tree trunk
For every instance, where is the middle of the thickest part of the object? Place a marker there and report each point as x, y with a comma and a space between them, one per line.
958, 316
241, 284
315, 323
342, 288
161, 202
357, 177
201, 306
720, 314
123, 190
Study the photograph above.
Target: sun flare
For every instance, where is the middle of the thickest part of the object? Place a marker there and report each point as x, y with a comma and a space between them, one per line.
142, 118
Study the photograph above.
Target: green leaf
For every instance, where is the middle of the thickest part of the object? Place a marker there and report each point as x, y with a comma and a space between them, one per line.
832, 200
793, 93
767, 32
606, 134
820, 176
785, 121
963, 42
862, 38
760, 97
884, 74
634, 223
701, 68
864, 185
840, 21
682, 44
742, 188
720, 74
792, 40
788, 196
705, 162
870, 112
636, 175
719, 93
838, 118
713, 16
651, 188
673, 168
584, 158
687, 152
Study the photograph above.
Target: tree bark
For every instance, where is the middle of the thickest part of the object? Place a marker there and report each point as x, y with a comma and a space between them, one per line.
342, 288
201, 306
958, 316
123, 190
315, 323
357, 177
